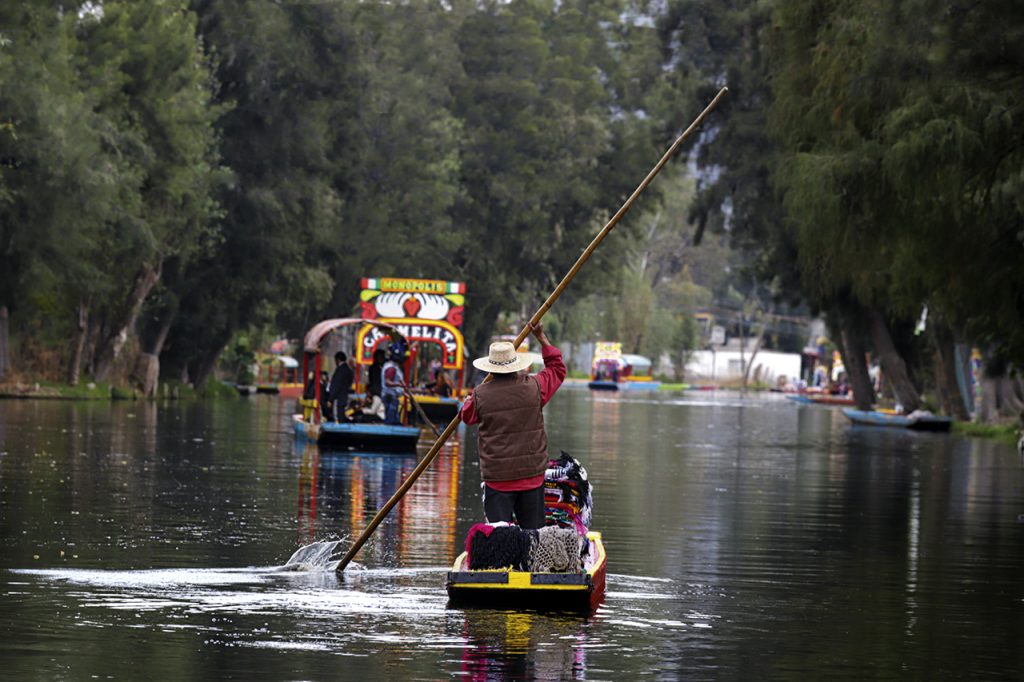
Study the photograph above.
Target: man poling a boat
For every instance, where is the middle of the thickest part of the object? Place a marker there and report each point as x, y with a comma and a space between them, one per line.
512, 442
533, 323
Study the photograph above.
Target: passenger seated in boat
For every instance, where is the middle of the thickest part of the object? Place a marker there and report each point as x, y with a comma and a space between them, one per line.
370, 409
512, 442
442, 385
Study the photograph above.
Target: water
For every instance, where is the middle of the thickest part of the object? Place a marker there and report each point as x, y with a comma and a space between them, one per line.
748, 538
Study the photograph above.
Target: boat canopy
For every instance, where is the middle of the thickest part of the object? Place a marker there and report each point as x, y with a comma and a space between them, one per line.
636, 361
311, 344
285, 361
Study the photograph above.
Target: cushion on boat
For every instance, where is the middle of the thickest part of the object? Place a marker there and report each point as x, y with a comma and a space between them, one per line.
548, 550
557, 550
498, 546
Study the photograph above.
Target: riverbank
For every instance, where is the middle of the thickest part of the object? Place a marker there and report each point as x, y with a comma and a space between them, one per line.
1006, 432
42, 390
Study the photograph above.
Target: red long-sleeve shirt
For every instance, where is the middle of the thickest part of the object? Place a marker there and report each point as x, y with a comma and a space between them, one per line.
549, 379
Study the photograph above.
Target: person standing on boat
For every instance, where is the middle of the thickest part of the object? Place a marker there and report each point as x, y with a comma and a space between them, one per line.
511, 439
392, 383
373, 383
340, 386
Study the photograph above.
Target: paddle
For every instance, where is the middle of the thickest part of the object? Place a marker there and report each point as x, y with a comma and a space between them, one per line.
419, 410
450, 429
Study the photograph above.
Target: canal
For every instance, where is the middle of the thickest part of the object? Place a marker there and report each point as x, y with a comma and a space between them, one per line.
748, 538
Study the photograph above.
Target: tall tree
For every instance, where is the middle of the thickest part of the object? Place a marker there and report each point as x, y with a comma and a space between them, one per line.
56, 191
153, 92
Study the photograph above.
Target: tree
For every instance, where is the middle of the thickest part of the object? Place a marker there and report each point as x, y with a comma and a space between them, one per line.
153, 90
56, 193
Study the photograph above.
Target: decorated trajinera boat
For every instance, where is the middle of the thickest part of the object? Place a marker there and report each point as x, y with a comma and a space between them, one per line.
918, 421
613, 370
278, 374
560, 567
312, 425
428, 314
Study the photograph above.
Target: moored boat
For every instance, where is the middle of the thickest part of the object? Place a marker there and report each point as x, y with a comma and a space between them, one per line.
278, 375
820, 399
918, 421
580, 591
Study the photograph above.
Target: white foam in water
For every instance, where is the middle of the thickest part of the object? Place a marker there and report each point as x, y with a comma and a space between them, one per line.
314, 557
318, 556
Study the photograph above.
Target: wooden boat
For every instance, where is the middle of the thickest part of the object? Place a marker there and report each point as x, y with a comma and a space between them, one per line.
438, 409
819, 399
613, 370
915, 421
602, 385
368, 435
581, 592
278, 375
429, 315
642, 383
829, 399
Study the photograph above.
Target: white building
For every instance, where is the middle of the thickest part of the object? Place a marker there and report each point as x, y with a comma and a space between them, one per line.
729, 363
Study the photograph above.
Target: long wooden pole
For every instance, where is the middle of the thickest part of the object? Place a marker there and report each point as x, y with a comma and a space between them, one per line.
537, 316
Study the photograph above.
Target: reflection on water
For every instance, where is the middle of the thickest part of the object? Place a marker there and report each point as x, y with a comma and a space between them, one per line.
349, 487
748, 538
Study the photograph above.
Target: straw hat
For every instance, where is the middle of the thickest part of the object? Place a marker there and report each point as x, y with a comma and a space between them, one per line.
502, 358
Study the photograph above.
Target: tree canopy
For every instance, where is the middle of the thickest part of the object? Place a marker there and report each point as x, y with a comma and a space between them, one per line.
176, 172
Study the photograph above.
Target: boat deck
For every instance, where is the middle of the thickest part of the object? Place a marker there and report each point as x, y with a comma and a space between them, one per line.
524, 590
369, 436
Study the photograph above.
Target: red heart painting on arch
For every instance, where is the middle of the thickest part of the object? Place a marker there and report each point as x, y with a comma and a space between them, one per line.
411, 306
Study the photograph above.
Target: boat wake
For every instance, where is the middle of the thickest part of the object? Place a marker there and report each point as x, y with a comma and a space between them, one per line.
316, 557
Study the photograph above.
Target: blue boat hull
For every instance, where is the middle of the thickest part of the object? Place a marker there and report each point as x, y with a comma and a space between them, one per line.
375, 437
918, 423
641, 385
603, 386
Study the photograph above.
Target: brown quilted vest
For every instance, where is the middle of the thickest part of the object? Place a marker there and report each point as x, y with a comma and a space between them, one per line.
511, 437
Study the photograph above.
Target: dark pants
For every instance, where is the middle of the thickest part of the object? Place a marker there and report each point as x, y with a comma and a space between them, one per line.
391, 409
528, 506
339, 405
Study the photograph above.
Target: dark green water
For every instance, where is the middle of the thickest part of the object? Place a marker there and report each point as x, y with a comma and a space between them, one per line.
747, 539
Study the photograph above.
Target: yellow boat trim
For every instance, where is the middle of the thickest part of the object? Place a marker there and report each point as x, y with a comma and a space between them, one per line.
522, 586
521, 580
432, 399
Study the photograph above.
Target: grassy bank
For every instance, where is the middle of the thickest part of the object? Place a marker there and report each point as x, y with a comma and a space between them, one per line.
1008, 432
44, 390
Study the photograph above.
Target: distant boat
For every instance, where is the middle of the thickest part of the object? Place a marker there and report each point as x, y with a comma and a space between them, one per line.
613, 370
603, 385
278, 375
918, 421
820, 399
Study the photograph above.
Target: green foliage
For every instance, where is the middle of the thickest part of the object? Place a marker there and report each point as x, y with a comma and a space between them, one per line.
902, 130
